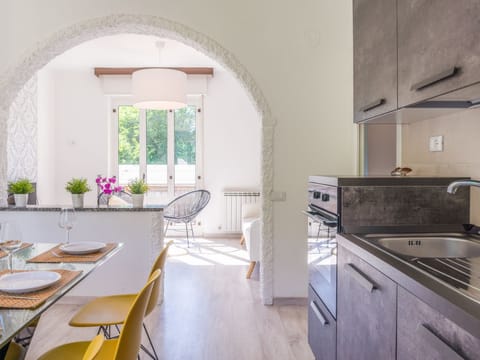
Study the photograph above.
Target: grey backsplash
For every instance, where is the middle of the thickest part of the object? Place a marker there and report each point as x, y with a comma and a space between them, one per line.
404, 208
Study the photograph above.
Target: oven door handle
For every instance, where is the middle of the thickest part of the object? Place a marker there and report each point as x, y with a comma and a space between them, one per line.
319, 218
318, 313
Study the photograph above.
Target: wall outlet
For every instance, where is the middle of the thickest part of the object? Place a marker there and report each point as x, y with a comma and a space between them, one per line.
436, 143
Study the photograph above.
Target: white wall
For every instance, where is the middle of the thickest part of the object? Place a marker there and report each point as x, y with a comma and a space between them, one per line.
79, 147
46, 129
300, 56
78, 118
231, 145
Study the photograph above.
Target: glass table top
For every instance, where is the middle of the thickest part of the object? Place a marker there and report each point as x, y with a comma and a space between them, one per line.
14, 320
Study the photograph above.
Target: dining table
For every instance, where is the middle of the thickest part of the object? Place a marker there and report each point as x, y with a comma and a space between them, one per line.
29, 258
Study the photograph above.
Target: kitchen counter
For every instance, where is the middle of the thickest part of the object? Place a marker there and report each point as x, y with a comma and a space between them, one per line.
464, 310
140, 230
102, 208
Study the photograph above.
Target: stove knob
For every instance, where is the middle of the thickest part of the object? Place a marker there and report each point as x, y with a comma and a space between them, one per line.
325, 197
317, 194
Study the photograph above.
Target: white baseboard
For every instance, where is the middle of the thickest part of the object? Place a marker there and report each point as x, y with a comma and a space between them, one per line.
297, 301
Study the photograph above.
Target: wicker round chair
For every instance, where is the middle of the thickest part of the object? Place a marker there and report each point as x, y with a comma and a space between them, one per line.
185, 208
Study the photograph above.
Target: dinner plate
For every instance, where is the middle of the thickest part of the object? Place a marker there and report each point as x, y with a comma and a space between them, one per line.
83, 247
28, 281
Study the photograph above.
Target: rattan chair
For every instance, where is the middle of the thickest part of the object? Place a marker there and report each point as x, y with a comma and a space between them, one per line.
185, 208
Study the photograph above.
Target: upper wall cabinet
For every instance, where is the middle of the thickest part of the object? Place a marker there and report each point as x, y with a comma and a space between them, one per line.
438, 47
375, 57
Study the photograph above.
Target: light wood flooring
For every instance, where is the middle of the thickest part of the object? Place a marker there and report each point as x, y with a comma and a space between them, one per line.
210, 312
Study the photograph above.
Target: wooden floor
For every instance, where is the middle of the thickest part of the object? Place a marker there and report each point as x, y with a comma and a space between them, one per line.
210, 312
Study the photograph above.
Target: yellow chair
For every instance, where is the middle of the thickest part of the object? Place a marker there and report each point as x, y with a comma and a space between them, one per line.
15, 351
94, 347
111, 310
125, 347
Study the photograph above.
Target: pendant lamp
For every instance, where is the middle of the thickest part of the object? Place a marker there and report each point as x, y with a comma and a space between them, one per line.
159, 89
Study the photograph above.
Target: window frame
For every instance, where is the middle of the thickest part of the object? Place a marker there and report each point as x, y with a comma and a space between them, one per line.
192, 100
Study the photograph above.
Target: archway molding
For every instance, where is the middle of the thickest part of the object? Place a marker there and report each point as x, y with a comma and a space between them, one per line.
15, 78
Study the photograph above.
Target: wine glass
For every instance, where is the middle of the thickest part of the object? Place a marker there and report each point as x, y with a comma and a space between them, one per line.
10, 240
66, 220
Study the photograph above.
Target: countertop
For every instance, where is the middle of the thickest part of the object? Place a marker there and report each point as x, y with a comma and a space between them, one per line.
386, 180
102, 208
461, 309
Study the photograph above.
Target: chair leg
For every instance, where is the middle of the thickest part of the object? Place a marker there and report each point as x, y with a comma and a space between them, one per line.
166, 228
242, 240
250, 269
193, 234
154, 356
186, 230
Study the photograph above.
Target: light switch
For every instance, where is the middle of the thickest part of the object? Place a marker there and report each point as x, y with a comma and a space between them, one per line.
436, 143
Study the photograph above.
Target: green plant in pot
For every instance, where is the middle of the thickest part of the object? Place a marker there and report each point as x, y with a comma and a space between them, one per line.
20, 190
77, 187
137, 188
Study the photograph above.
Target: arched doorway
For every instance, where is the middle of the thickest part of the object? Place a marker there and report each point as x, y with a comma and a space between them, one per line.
12, 82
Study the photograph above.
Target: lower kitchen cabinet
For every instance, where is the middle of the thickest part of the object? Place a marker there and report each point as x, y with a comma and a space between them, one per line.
366, 310
425, 334
322, 328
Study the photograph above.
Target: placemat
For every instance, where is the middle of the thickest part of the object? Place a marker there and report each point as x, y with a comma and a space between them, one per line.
24, 245
55, 255
34, 299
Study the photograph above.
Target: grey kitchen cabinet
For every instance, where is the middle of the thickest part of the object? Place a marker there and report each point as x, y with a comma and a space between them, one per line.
375, 57
322, 330
425, 334
438, 47
366, 310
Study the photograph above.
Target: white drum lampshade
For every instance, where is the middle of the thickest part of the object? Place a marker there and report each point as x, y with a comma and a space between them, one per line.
159, 89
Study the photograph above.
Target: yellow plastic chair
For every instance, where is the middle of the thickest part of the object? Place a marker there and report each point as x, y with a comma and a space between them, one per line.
125, 347
15, 351
111, 310
94, 347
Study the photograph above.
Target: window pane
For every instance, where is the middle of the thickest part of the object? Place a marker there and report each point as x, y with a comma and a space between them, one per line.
128, 143
185, 149
156, 147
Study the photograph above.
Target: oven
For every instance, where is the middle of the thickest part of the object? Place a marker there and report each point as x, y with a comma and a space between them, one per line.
324, 216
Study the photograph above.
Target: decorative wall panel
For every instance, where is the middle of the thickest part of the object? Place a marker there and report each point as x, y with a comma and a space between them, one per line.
22, 134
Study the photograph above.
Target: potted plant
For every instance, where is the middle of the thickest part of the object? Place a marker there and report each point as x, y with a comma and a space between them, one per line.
20, 190
137, 188
77, 187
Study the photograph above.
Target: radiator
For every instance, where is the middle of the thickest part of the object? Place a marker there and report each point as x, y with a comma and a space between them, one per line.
233, 208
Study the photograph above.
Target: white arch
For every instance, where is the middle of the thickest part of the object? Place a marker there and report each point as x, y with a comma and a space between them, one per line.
14, 79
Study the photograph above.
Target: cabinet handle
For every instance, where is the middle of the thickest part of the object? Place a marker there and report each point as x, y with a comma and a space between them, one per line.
433, 339
318, 313
360, 278
373, 105
444, 75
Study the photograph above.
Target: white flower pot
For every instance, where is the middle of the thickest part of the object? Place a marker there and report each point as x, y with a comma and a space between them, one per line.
77, 200
20, 200
137, 200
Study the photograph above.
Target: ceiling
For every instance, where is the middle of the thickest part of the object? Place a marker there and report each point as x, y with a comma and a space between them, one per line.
131, 50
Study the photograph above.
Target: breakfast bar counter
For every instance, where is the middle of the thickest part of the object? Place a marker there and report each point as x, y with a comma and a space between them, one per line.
139, 229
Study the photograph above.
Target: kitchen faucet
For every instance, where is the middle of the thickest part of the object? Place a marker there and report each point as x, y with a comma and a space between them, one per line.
452, 187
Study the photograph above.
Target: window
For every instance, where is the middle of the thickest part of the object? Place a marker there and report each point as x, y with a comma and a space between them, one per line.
162, 146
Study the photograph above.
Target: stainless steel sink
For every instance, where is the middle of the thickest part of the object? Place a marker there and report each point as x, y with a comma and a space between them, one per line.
430, 246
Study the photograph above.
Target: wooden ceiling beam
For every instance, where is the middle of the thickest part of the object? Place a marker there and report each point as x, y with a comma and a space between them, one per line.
129, 70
